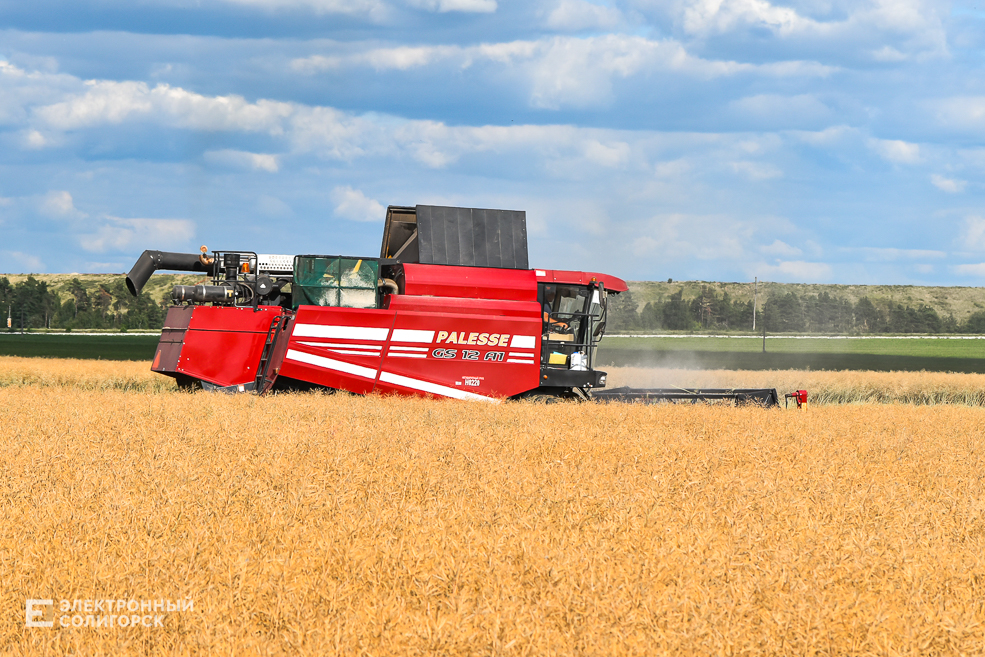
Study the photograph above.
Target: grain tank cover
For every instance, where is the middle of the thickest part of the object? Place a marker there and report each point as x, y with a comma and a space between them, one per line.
473, 237
335, 281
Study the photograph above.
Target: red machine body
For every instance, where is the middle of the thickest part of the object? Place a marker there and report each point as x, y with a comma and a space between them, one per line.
450, 308
475, 333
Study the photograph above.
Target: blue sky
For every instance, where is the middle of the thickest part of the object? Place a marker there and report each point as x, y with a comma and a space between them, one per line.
827, 141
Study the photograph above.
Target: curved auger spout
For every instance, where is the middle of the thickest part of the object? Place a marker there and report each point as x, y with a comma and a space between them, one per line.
151, 261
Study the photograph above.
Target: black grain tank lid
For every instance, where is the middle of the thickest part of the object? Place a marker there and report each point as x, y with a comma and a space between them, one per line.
474, 237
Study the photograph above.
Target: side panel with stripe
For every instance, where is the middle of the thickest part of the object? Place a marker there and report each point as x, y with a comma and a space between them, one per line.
417, 363
339, 348
408, 353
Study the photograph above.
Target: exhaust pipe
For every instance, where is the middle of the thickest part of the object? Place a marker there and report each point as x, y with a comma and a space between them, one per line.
204, 293
151, 261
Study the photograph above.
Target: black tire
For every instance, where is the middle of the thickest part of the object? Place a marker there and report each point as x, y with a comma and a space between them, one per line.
542, 399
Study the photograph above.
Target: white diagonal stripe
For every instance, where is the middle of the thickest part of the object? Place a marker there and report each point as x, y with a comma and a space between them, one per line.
352, 352
433, 388
330, 364
523, 342
400, 355
342, 345
398, 348
340, 332
411, 335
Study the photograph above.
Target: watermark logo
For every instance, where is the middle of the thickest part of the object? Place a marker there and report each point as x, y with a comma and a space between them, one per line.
40, 613
103, 613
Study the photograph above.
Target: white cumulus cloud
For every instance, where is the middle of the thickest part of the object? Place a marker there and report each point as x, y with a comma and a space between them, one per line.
950, 185
372, 9
973, 235
400, 58
721, 16
609, 155
118, 234
272, 206
469, 6
781, 249
888, 54
25, 262
574, 15
961, 112
775, 107
884, 30
896, 151
677, 236
244, 160
755, 171
796, 270
353, 205
60, 204
34, 140
975, 269
889, 254
567, 71
110, 102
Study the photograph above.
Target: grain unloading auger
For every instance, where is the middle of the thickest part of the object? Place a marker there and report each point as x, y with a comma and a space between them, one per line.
450, 308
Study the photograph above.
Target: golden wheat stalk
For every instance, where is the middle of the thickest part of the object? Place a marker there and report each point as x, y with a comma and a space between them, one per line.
331, 524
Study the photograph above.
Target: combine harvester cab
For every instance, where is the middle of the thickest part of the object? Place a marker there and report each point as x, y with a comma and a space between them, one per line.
450, 308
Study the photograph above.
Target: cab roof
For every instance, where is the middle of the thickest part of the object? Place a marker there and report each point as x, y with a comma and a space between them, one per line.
611, 283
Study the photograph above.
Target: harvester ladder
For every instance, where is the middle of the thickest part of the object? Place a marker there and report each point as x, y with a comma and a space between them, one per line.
264, 381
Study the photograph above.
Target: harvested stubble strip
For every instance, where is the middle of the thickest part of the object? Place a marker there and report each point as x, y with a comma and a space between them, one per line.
845, 387
313, 524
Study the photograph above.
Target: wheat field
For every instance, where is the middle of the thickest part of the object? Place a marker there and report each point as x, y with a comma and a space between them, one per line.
81, 374
844, 387
331, 524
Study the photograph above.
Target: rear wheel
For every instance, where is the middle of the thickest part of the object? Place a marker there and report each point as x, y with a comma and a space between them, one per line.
539, 398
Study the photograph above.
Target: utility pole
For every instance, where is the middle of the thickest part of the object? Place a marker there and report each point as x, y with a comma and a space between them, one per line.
755, 299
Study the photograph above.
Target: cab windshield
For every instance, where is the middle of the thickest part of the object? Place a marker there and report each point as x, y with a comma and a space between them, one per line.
573, 317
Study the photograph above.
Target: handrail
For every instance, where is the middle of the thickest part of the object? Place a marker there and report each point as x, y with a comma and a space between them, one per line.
588, 347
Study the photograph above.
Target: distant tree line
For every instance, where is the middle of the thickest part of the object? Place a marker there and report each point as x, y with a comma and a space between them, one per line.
32, 304
782, 313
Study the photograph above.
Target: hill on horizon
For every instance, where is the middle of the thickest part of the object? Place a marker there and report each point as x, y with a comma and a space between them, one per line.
156, 287
957, 301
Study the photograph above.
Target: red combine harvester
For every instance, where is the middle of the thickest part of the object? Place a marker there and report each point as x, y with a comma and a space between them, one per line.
449, 309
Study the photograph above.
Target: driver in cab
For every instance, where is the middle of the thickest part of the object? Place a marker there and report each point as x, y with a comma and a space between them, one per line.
552, 325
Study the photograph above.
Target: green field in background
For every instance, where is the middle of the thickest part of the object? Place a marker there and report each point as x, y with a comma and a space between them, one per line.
688, 353
902, 354
937, 348
104, 347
